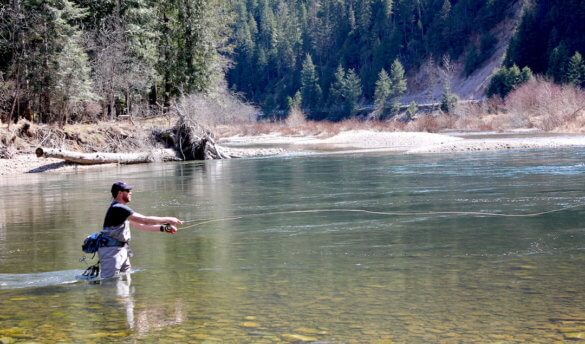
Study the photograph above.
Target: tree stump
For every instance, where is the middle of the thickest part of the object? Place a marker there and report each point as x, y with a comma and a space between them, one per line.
193, 142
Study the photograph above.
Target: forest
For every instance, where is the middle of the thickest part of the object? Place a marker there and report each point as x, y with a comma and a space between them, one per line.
70, 60
64, 61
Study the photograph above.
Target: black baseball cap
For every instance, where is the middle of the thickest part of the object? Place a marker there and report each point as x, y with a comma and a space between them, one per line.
120, 186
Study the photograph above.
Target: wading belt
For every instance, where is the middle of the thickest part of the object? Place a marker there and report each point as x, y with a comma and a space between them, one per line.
108, 241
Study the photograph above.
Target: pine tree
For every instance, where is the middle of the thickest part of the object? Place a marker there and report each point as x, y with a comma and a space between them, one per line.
310, 89
382, 93
558, 63
576, 70
49, 68
507, 79
411, 110
194, 34
336, 92
72, 78
388, 6
398, 84
352, 92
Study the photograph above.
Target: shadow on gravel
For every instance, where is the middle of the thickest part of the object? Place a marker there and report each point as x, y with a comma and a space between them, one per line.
49, 167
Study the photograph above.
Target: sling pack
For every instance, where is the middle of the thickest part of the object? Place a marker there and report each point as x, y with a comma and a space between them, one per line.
92, 243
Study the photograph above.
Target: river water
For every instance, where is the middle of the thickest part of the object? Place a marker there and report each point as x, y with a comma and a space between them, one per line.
276, 250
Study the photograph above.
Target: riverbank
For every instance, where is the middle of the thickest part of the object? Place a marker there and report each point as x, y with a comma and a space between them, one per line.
349, 141
411, 142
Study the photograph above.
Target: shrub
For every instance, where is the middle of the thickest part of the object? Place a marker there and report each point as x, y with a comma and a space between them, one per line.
546, 105
220, 108
296, 117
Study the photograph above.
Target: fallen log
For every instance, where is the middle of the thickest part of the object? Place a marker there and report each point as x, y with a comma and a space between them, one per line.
107, 158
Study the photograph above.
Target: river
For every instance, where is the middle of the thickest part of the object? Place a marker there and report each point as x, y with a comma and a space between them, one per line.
330, 248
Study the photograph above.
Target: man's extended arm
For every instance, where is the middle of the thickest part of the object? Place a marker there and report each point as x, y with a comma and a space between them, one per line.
153, 223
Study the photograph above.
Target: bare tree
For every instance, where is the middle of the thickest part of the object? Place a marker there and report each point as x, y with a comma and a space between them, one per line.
117, 75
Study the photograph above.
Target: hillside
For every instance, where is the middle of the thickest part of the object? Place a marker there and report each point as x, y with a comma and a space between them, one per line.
466, 87
282, 48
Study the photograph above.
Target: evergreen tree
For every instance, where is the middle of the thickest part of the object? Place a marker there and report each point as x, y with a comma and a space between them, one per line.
398, 84
194, 34
448, 100
548, 32
72, 79
352, 92
576, 70
295, 102
411, 110
507, 79
336, 91
364, 35
387, 6
310, 89
57, 33
382, 93
558, 63
346, 91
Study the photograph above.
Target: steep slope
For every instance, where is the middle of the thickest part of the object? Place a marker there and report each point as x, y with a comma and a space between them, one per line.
426, 85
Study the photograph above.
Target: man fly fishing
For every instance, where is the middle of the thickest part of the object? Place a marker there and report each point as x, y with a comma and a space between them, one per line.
114, 253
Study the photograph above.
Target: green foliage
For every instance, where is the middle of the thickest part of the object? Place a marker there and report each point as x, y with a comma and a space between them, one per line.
51, 53
411, 110
576, 70
383, 91
507, 79
310, 89
346, 91
549, 32
352, 92
448, 101
558, 63
67, 52
295, 102
337, 88
398, 84
273, 38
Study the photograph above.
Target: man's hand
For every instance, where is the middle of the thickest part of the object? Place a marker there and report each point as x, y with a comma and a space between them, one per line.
171, 229
174, 221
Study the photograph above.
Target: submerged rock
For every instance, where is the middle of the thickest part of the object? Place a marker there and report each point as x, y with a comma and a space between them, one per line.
298, 338
249, 324
574, 335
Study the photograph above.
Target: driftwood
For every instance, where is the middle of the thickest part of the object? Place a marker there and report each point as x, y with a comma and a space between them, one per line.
106, 158
194, 142
5, 153
187, 140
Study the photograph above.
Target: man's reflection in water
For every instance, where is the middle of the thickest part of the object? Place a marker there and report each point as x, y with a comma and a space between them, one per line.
153, 317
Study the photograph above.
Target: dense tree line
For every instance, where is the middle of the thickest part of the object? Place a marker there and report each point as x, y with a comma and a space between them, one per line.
58, 56
550, 40
324, 56
282, 46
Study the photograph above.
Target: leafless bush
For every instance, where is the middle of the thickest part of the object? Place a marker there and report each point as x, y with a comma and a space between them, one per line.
296, 117
546, 105
431, 123
212, 110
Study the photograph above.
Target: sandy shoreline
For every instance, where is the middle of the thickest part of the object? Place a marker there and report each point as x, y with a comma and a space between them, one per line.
349, 141
411, 142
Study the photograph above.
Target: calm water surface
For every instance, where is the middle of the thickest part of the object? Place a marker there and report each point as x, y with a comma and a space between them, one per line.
257, 274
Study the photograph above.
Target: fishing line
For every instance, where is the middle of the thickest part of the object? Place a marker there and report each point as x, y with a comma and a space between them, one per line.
372, 212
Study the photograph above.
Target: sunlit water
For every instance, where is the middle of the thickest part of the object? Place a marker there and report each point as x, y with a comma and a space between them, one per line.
255, 273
